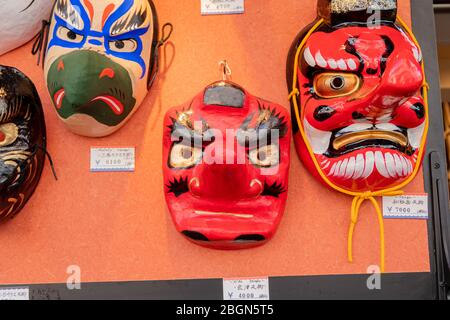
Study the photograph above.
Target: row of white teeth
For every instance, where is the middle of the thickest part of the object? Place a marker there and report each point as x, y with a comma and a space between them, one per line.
341, 64
362, 166
319, 60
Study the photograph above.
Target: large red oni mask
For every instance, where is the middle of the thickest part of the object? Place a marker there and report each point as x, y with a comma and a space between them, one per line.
358, 94
360, 104
226, 163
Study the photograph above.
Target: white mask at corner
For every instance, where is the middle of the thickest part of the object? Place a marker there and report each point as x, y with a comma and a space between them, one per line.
20, 21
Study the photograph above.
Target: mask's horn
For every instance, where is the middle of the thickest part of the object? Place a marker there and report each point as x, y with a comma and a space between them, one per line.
368, 12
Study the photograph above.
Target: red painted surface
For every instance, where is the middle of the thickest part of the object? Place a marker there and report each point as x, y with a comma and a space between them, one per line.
388, 100
229, 196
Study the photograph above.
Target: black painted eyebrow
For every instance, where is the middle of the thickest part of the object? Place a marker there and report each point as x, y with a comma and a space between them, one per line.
273, 121
268, 120
129, 22
65, 9
186, 132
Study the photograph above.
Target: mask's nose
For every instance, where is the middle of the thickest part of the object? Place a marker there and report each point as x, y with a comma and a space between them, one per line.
402, 79
78, 71
225, 181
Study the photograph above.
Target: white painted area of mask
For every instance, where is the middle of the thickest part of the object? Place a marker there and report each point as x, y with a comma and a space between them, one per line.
319, 140
415, 136
20, 21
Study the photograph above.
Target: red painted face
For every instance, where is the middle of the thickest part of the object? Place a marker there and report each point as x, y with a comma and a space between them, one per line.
226, 163
361, 105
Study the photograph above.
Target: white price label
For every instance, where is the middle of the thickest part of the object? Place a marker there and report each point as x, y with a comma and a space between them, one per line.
14, 294
113, 159
406, 207
246, 289
222, 7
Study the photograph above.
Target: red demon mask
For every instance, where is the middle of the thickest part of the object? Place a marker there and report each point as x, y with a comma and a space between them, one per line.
360, 101
357, 91
226, 163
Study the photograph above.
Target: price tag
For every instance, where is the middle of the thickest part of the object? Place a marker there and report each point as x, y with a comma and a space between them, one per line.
406, 207
222, 7
246, 289
14, 294
113, 159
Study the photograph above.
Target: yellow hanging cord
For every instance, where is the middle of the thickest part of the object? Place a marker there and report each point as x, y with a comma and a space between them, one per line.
361, 197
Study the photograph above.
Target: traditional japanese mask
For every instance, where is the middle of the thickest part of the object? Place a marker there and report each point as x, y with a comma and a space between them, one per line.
359, 98
226, 162
100, 62
360, 102
22, 141
20, 21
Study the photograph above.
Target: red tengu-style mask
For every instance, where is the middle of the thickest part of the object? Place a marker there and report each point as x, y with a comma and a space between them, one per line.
360, 101
358, 93
226, 163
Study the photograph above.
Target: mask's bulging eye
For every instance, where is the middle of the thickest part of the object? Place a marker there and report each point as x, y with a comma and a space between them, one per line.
267, 156
8, 134
126, 46
69, 35
182, 156
333, 85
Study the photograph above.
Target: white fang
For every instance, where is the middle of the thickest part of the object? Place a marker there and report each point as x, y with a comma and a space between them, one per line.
309, 58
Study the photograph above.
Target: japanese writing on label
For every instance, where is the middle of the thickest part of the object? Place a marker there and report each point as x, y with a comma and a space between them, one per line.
222, 7
406, 207
113, 159
14, 294
246, 289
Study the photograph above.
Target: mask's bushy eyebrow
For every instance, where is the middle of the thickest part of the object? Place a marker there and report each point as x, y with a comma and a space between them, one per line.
185, 130
269, 119
66, 11
134, 19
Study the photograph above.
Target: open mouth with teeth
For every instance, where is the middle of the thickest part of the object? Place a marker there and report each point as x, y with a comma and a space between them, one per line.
362, 155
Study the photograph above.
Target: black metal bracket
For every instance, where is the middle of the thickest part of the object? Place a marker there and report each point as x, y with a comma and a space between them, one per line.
440, 221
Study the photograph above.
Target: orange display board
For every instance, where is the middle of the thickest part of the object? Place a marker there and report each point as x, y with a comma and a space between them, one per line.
115, 226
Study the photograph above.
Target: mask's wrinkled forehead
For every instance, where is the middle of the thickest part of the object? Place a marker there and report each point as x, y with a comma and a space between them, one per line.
113, 17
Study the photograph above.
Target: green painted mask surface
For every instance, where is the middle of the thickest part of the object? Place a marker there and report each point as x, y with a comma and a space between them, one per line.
86, 82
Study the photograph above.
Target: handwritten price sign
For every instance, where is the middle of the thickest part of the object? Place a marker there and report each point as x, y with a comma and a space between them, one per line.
222, 7
406, 207
113, 159
246, 289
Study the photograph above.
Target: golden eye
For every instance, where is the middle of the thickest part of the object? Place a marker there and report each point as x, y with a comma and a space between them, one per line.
267, 156
128, 45
333, 85
8, 134
182, 156
69, 35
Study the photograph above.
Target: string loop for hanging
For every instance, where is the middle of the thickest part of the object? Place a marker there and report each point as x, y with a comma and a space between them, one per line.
40, 41
225, 69
164, 38
165, 35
